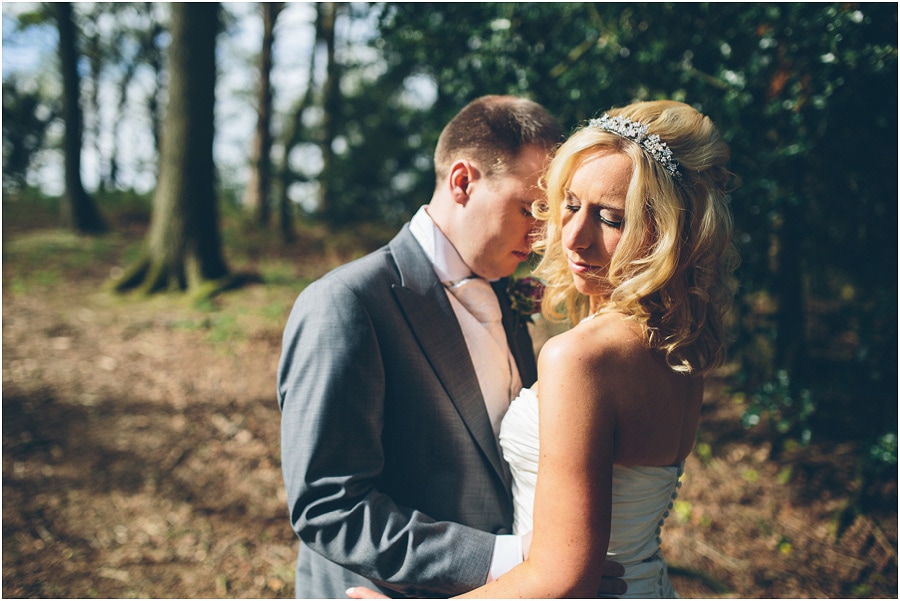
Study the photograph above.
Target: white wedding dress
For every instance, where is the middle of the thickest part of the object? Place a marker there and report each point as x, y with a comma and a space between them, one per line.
641, 500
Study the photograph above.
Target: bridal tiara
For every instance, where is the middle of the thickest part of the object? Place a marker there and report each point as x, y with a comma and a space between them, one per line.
638, 132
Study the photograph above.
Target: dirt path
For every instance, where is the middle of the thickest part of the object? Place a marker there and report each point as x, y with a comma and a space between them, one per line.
141, 459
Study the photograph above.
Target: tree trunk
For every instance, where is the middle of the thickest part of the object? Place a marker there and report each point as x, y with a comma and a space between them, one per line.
292, 135
330, 106
791, 320
259, 184
78, 209
183, 247
93, 52
121, 109
153, 55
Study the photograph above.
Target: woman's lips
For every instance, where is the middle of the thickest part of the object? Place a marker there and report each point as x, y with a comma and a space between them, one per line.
521, 256
578, 267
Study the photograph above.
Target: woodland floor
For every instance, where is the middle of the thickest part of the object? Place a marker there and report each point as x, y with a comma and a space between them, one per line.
141, 449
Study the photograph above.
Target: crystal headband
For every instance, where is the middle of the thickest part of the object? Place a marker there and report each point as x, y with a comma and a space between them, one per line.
637, 131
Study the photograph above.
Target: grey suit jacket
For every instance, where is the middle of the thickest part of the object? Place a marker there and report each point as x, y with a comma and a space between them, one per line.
393, 474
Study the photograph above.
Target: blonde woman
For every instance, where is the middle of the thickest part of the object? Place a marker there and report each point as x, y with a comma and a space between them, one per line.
637, 255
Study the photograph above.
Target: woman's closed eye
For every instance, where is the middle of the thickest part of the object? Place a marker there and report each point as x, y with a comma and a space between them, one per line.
611, 218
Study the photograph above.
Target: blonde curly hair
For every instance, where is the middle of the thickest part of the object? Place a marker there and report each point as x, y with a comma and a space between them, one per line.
672, 268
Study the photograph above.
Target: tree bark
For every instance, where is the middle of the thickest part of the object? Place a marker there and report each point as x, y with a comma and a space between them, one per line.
259, 184
93, 51
78, 210
183, 247
292, 135
791, 320
151, 53
330, 106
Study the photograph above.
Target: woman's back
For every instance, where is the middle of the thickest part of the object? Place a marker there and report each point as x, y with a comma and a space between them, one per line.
657, 409
604, 397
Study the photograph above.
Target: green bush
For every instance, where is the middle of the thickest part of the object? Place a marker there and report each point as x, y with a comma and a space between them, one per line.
786, 410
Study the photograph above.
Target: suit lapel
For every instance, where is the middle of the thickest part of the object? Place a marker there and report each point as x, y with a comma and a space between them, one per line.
424, 303
516, 335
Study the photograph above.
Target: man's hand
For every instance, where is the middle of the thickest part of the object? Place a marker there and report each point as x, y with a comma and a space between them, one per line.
361, 592
612, 583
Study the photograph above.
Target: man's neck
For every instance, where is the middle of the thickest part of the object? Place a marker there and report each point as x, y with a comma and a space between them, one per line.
445, 259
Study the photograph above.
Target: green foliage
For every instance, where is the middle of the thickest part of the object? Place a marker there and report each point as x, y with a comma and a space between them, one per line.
884, 451
787, 410
704, 452
806, 96
218, 328
780, 80
40, 14
27, 115
280, 273
875, 483
682, 510
28, 208
880, 463
44, 258
784, 475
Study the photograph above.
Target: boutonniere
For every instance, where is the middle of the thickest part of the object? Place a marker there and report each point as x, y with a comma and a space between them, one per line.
525, 295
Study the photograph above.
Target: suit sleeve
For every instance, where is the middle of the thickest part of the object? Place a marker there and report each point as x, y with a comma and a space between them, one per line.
331, 383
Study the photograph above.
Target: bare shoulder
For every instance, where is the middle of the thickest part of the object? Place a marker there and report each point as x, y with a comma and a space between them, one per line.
606, 339
581, 375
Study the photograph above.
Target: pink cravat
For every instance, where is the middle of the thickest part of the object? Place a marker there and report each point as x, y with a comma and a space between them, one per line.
478, 297
481, 322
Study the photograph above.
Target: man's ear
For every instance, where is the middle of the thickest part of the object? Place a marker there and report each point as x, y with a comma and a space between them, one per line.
462, 174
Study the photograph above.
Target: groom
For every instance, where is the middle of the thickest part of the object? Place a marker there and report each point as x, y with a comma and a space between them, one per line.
392, 382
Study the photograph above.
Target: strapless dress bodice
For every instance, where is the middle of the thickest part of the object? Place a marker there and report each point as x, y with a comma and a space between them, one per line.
641, 500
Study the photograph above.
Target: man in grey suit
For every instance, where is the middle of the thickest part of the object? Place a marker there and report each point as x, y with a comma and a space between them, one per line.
392, 388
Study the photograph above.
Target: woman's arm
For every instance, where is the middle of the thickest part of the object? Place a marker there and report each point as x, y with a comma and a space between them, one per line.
572, 505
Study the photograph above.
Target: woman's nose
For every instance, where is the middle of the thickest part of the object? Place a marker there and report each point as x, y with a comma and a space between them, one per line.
576, 233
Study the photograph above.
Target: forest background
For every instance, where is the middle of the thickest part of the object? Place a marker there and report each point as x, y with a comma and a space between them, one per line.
173, 175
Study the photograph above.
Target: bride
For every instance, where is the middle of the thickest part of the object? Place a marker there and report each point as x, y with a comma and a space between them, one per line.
637, 254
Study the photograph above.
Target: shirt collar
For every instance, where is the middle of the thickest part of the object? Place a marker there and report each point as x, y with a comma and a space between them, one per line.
445, 259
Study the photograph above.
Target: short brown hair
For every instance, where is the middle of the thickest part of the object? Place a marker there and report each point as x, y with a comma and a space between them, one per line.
492, 131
